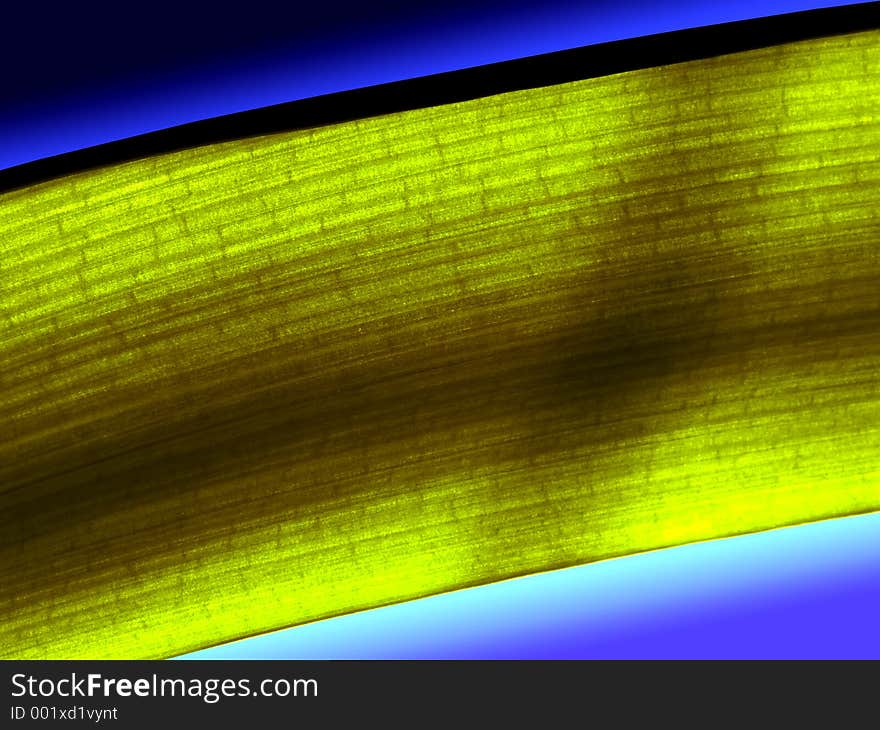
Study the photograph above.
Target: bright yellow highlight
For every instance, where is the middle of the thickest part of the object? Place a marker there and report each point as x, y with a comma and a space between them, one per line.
259, 383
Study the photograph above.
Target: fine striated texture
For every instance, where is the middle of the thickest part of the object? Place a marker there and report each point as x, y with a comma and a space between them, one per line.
259, 383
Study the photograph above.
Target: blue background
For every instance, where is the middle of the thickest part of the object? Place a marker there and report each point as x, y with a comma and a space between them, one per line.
805, 592
76, 74
79, 74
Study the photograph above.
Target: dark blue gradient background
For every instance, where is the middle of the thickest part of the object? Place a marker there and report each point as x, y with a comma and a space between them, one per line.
79, 74
76, 74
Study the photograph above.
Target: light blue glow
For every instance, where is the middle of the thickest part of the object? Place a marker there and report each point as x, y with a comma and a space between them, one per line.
807, 591
811, 591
